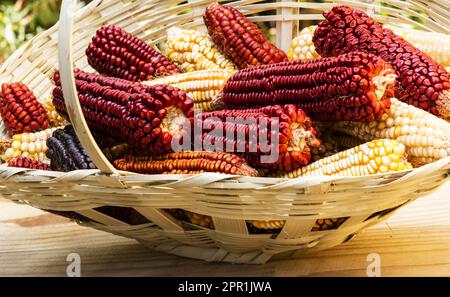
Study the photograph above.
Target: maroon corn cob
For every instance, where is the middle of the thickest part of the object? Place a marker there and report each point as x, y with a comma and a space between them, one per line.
20, 110
421, 81
186, 163
23, 162
294, 133
355, 86
239, 38
115, 52
146, 117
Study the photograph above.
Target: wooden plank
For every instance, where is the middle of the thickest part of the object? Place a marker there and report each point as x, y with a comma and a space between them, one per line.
414, 242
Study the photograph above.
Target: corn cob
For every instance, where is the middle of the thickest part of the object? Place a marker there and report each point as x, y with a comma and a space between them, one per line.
326, 149
20, 110
116, 152
202, 86
333, 143
421, 81
354, 86
378, 156
23, 162
115, 52
192, 217
436, 45
247, 130
302, 47
239, 38
186, 163
328, 224
28, 145
191, 50
267, 225
146, 117
425, 136
56, 120
65, 151
319, 225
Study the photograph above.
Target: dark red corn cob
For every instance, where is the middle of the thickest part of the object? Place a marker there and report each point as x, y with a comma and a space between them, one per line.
186, 163
146, 117
20, 110
23, 162
115, 52
65, 151
421, 81
239, 38
250, 131
355, 86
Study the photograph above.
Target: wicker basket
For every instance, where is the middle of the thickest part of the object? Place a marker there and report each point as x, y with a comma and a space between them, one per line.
92, 196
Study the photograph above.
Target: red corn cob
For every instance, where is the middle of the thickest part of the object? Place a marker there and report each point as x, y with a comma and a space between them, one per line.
355, 86
145, 116
23, 162
421, 81
186, 163
20, 110
294, 131
239, 38
115, 52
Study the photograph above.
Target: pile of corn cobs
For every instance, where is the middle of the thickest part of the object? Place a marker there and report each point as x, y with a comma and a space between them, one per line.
353, 99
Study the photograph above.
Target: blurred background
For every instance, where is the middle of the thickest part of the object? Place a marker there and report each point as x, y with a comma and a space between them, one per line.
21, 20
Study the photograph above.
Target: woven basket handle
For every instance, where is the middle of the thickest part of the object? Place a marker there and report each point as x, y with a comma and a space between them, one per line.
70, 92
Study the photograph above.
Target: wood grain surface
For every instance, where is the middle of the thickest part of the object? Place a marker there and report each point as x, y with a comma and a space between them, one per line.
413, 242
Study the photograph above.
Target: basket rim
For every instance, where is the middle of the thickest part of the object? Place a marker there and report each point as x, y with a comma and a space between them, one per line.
206, 178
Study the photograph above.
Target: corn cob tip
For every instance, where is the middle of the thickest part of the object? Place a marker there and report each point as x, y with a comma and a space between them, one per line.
384, 81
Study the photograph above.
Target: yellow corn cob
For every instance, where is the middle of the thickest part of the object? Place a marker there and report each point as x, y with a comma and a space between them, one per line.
302, 47
319, 225
436, 45
55, 119
425, 136
267, 225
202, 86
191, 50
29, 145
378, 156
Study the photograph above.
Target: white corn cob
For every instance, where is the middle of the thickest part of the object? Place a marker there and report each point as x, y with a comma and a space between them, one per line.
191, 50
302, 46
202, 86
436, 45
29, 145
377, 156
425, 136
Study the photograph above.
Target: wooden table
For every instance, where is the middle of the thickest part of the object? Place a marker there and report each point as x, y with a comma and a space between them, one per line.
413, 242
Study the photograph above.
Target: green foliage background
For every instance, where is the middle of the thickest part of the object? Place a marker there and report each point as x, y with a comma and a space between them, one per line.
21, 20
